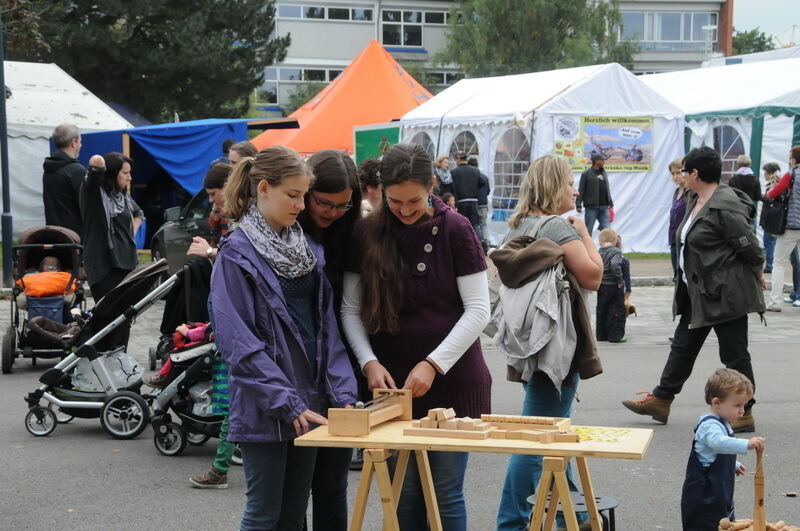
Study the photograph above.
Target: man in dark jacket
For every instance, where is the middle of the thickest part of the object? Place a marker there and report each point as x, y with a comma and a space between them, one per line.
466, 185
746, 181
594, 193
719, 283
483, 204
62, 180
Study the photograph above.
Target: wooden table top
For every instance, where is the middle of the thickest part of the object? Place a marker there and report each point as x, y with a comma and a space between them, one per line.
596, 441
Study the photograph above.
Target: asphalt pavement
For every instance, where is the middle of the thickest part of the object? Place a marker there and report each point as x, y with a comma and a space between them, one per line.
80, 478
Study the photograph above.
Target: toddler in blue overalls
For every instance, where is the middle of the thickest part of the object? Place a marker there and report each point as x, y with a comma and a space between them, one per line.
708, 488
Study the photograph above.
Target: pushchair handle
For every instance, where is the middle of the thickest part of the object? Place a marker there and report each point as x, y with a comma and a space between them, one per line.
47, 246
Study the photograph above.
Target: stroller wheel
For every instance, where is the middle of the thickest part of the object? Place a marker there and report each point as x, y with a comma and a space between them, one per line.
9, 346
197, 439
61, 417
170, 439
124, 415
40, 421
153, 358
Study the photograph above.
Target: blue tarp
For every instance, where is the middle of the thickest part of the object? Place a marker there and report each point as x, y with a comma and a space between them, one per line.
183, 149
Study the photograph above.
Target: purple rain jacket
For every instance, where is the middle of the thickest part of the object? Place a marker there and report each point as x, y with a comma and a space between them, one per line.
270, 380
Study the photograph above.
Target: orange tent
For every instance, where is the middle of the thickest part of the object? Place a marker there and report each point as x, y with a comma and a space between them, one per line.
372, 89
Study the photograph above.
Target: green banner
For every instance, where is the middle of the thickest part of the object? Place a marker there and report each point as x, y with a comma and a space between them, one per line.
373, 142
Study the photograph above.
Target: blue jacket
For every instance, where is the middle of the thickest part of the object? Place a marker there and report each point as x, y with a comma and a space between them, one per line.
271, 381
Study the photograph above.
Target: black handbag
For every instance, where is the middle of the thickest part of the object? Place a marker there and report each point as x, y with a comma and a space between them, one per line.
775, 211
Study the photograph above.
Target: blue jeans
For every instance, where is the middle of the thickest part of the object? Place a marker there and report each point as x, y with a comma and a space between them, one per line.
278, 477
598, 214
794, 259
769, 249
447, 469
329, 489
524, 471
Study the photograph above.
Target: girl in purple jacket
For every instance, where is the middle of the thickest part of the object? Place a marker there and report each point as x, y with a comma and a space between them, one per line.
277, 330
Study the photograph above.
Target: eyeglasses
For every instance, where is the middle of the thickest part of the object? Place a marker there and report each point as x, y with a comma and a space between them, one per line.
329, 207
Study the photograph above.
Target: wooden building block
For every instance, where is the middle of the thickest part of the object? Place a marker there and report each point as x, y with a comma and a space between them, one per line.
454, 434
416, 424
514, 434
449, 424
466, 423
498, 434
567, 437
436, 413
427, 422
348, 422
547, 437
449, 413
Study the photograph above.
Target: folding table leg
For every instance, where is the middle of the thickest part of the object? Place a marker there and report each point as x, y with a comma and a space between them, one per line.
541, 500
426, 480
588, 494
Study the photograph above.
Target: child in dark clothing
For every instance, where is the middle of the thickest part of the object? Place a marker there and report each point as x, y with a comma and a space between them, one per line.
611, 311
707, 495
630, 308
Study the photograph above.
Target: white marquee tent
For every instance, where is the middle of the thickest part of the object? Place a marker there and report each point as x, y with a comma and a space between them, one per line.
509, 121
42, 97
750, 108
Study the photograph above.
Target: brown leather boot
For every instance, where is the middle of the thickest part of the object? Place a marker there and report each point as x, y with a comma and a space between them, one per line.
746, 424
658, 408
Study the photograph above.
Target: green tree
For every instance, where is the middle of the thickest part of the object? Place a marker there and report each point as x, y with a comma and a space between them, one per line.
499, 37
751, 41
302, 94
196, 58
21, 33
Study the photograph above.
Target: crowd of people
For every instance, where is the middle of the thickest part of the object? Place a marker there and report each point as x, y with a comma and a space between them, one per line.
331, 280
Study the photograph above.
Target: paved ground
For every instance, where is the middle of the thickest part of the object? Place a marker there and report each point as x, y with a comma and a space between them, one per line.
80, 478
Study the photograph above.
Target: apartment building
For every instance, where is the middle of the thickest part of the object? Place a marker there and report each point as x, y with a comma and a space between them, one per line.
328, 34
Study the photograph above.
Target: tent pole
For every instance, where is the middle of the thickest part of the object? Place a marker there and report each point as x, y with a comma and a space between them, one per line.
126, 144
7, 232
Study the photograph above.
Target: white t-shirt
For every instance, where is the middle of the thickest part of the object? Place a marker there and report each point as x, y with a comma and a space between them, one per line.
684, 232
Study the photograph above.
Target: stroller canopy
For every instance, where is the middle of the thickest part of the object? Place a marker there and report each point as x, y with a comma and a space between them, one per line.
70, 258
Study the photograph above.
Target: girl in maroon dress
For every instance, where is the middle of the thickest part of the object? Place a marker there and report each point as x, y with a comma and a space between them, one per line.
415, 302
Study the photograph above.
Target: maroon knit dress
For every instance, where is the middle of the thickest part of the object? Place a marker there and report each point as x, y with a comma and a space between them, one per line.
436, 252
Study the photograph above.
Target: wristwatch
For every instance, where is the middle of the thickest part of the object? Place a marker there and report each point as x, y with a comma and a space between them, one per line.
209, 251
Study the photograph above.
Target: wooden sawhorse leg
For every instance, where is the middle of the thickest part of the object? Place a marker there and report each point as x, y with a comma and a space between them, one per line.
554, 472
375, 462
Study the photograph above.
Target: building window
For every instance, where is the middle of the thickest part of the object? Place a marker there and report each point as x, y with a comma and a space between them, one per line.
434, 17
728, 143
269, 92
424, 139
313, 12
451, 78
289, 11
291, 74
333, 74
668, 31
310, 74
271, 74
338, 13
464, 141
364, 15
402, 28
511, 161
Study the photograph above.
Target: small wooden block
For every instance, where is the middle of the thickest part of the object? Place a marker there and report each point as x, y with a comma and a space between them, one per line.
568, 437
436, 413
530, 435
416, 424
449, 424
466, 423
498, 434
481, 425
454, 434
427, 422
547, 437
514, 434
449, 413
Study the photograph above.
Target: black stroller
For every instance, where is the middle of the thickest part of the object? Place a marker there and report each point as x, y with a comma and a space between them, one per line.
189, 397
31, 333
100, 379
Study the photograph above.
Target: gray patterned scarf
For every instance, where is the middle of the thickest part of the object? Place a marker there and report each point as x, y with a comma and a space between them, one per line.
288, 253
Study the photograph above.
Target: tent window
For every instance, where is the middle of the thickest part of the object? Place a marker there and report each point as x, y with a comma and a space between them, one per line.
511, 161
423, 139
729, 145
466, 142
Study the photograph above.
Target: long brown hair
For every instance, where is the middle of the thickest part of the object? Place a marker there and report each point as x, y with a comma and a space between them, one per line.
383, 270
273, 164
334, 171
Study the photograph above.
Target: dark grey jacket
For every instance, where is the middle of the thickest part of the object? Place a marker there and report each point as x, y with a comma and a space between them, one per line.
721, 260
589, 189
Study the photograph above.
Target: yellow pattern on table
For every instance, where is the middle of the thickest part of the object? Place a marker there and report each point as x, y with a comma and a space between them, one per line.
590, 433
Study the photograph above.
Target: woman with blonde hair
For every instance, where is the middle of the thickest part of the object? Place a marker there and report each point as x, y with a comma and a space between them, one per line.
444, 181
548, 191
276, 330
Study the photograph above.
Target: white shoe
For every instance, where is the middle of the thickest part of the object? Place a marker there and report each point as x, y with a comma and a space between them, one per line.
788, 300
774, 308
796, 303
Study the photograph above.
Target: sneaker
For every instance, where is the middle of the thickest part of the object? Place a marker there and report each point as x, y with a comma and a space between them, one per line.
658, 408
210, 480
746, 424
788, 300
796, 303
156, 381
774, 308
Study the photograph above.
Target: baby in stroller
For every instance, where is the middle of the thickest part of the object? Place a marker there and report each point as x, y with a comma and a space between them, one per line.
185, 336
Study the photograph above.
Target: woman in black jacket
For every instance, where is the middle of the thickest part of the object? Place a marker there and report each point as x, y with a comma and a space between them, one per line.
110, 220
